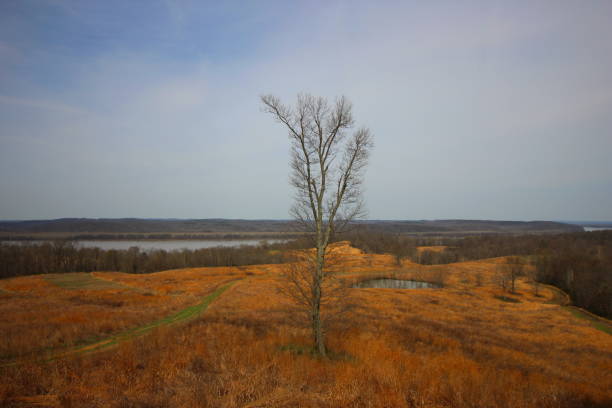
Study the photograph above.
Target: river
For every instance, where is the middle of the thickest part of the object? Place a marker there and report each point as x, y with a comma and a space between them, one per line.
147, 245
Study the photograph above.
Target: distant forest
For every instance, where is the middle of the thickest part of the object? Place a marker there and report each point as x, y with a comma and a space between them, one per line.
132, 228
578, 263
63, 256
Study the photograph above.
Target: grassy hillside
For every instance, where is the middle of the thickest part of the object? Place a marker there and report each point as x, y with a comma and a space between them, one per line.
468, 344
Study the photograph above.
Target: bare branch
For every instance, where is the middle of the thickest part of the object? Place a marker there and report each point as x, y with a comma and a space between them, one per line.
327, 190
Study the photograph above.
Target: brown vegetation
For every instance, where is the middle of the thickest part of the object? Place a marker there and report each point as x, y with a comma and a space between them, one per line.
460, 346
43, 312
578, 263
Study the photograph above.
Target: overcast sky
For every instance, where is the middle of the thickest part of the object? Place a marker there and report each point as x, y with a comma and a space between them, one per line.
480, 110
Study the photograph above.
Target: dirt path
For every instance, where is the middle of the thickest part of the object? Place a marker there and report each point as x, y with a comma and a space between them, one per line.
181, 316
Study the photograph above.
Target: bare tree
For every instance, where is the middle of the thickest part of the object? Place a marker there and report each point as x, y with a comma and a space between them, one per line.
501, 277
327, 167
535, 280
533, 274
510, 272
402, 248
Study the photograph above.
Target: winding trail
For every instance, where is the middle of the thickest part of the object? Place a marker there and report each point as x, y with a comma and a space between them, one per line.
563, 299
99, 345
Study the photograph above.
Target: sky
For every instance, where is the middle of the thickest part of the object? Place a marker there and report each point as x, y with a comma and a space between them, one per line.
479, 109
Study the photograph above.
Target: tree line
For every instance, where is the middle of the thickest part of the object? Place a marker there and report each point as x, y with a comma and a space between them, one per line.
67, 256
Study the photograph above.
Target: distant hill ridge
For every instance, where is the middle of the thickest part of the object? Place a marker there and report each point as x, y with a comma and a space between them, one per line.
219, 225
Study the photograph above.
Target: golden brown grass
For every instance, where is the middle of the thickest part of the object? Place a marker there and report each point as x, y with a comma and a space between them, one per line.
41, 312
432, 248
460, 346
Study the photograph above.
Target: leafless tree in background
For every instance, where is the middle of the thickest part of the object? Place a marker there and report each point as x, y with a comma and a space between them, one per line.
327, 165
534, 278
509, 272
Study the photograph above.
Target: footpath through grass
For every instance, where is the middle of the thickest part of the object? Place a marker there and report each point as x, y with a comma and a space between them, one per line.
561, 298
597, 322
181, 316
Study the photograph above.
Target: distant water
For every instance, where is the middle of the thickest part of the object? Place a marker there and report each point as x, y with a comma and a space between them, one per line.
387, 283
589, 229
170, 245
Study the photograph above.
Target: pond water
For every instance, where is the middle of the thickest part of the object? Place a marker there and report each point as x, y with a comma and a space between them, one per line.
387, 283
589, 229
147, 245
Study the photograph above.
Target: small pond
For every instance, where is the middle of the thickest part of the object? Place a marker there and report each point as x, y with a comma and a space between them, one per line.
395, 284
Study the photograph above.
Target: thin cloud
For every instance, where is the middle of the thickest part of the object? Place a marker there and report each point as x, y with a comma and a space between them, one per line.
41, 104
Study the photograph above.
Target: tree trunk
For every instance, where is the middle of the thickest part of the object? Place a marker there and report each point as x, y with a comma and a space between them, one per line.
317, 327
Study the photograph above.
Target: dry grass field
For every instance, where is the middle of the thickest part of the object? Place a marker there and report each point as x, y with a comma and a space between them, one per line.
433, 248
467, 344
